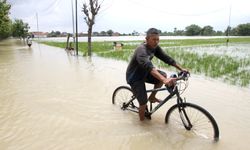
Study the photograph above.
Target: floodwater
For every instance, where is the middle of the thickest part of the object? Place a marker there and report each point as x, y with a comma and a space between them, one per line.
52, 100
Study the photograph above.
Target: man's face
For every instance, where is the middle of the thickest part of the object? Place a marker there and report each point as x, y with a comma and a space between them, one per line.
153, 40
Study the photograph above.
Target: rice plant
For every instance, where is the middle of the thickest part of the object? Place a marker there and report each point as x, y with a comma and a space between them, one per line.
210, 57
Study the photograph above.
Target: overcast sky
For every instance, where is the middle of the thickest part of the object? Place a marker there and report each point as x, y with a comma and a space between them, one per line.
125, 16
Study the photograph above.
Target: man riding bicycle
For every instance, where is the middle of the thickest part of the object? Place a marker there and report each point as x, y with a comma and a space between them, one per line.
141, 70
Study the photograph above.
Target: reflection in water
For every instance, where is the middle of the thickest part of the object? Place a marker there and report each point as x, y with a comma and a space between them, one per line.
51, 100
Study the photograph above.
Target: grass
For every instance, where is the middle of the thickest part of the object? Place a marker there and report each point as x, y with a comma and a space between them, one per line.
230, 69
233, 70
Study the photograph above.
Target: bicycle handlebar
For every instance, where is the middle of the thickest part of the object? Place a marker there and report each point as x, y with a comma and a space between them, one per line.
183, 75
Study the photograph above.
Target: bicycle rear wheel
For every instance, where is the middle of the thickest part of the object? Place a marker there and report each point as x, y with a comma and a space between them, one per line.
193, 118
124, 97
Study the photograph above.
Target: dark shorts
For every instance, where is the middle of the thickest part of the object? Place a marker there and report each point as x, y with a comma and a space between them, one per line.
139, 88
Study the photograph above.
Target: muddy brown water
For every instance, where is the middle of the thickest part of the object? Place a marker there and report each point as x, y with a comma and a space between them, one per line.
54, 101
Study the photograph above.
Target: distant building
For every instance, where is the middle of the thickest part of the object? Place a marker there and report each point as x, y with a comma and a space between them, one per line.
64, 34
116, 34
40, 34
83, 34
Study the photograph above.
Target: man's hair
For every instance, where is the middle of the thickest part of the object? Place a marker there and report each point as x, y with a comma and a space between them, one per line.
152, 31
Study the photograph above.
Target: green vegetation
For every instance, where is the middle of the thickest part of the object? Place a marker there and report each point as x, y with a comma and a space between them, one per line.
193, 29
20, 29
5, 22
231, 69
17, 28
131, 45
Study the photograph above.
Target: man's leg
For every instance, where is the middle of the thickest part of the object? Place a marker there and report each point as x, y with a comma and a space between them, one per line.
157, 84
152, 97
142, 109
139, 91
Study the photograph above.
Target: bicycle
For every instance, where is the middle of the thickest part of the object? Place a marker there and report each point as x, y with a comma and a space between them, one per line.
188, 115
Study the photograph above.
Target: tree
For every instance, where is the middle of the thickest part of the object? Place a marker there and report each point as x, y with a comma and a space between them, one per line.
5, 22
110, 32
207, 30
95, 33
54, 34
243, 29
179, 32
218, 33
234, 32
103, 33
135, 33
193, 30
20, 29
90, 10
175, 29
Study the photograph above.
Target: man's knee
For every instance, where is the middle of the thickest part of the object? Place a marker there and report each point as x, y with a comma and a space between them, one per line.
162, 73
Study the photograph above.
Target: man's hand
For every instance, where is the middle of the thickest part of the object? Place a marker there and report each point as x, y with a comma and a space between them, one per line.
169, 81
185, 70
180, 68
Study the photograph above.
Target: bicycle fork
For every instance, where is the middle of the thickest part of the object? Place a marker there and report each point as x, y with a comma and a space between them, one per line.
183, 115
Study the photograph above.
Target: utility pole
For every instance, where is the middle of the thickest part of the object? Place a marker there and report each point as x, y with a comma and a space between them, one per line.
73, 22
229, 23
37, 25
76, 32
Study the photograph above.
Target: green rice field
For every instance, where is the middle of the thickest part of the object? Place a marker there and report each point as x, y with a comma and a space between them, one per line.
213, 58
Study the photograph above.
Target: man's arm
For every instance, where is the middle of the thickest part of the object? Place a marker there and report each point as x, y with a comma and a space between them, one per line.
159, 53
167, 81
179, 67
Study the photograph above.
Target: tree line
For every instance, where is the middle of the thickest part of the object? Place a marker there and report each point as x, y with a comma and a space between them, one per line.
16, 28
191, 30
195, 30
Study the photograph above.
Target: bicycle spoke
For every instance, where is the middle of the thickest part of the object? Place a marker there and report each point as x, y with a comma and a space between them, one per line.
202, 124
122, 96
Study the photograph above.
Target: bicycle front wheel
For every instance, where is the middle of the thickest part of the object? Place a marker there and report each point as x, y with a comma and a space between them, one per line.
124, 97
193, 118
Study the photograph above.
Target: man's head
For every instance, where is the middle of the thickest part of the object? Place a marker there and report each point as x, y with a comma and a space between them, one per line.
152, 31
152, 37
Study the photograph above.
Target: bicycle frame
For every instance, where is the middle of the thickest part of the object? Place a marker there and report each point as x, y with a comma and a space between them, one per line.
174, 92
152, 110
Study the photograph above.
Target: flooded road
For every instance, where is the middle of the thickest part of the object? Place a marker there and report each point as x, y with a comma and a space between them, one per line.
54, 101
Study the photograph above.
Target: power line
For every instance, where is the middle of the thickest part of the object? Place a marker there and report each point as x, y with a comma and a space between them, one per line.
142, 4
50, 8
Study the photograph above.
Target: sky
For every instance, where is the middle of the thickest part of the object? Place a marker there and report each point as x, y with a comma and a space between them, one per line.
126, 16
